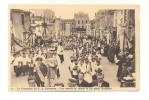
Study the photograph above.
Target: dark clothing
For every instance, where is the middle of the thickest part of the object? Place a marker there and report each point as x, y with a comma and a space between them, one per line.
84, 84
111, 53
124, 73
132, 50
61, 58
43, 69
58, 73
24, 69
17, 71
117, 50
94, 77
106, 50
119, 72
132, 64
31, 69
38, 80
103, 84
75, 76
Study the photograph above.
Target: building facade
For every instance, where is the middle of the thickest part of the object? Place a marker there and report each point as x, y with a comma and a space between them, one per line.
58, 28
43, 22
104, 22
125, 28
68, 26
20, 28
92, 24
81, 22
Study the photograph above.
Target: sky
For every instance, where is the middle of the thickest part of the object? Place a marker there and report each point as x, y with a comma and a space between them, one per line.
66, 11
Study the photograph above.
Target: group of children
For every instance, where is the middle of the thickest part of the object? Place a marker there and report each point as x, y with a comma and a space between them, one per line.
40, 64
86, 62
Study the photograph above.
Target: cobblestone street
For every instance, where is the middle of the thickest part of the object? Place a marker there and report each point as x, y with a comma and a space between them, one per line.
109, 70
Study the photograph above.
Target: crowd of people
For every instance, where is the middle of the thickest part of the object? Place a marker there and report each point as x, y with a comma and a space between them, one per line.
41, 63
86, 69
87, 55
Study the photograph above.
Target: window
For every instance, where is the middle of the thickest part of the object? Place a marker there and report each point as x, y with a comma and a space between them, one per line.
82, 21
86, 21
22, 19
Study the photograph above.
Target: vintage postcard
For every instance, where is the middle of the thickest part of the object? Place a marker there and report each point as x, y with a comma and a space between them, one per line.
74, 47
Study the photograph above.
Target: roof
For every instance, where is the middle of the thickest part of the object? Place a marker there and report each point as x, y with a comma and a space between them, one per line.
68, 20
19, 11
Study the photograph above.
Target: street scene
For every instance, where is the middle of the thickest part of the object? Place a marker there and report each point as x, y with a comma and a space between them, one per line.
88, 49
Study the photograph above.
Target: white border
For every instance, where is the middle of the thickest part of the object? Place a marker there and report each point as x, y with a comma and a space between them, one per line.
144, 37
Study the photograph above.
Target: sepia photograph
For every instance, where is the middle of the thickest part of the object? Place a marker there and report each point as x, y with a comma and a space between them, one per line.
74, 47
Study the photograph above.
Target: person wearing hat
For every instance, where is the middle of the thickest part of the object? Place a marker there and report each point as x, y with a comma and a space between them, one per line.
100, 82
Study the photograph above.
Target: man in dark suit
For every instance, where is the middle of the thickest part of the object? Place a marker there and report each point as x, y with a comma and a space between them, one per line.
100, 82
82, 82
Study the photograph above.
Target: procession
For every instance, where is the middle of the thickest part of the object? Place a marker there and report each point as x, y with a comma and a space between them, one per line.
82, 58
